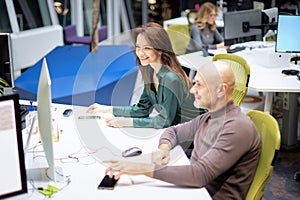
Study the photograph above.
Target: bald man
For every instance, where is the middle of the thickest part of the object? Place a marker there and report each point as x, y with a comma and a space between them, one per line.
226, 142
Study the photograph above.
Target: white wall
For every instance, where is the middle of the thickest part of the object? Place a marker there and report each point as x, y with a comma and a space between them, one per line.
27, 47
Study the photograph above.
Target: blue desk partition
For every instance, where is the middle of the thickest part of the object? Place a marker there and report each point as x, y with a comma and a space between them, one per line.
81, 78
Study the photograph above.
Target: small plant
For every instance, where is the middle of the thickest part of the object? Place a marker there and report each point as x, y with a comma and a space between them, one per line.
3, 84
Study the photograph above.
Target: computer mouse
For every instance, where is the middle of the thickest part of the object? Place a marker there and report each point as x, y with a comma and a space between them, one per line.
293, 72
67, 112
132, 151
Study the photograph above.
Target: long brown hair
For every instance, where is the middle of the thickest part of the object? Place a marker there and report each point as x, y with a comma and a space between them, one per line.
160, 41
203, 15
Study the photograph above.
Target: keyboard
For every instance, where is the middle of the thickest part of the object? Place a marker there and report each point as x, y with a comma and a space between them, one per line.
24, 109
236, 49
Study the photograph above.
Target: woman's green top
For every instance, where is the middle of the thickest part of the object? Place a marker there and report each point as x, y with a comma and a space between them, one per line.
172, 101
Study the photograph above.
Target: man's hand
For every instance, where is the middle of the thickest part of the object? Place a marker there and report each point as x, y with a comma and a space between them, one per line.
120, 167
162, 155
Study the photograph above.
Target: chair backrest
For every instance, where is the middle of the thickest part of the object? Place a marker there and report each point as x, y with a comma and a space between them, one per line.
70, 31
180, 36
268, 128
241, 71
191, 15
102, 33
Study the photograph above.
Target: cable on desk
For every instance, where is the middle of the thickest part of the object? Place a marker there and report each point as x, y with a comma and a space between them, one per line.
73, 158
87, 154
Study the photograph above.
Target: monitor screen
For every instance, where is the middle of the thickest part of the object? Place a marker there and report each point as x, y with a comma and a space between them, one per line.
13, 173
287, 39
238, 25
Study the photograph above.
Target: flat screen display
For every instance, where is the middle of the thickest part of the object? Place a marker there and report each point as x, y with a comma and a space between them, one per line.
13, 173
287, 39
234, 23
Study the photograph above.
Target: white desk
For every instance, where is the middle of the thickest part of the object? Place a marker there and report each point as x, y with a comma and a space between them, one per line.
270, 81
183, 20
86, 174
267, 80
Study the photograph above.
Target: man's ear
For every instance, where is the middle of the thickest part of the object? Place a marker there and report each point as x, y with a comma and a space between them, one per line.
221, 89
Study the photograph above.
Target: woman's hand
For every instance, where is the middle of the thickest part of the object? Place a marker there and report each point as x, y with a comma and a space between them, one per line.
95, 108
120, 167
118, 122
222, 46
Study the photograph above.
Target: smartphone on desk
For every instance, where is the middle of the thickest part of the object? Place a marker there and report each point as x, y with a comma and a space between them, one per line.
107, 183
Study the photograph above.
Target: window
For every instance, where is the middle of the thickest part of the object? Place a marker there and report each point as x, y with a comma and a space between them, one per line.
32, 14
4, 22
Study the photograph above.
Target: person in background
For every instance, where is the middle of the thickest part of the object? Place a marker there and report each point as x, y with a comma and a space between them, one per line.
204, 32
227, 144
166, 86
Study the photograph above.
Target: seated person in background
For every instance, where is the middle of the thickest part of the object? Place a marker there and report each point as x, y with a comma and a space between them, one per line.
166, 86
227, 144
204, 33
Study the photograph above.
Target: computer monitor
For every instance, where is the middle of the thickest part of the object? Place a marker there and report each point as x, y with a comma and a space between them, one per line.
270, 15
287, 39
13, 173
6, 69
240, 26
44, 102
269, 20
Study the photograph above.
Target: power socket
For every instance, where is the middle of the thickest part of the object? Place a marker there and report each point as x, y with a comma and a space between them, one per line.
285, 100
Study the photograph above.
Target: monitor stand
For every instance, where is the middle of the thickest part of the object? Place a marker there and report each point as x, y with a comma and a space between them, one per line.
42, 174
36, 163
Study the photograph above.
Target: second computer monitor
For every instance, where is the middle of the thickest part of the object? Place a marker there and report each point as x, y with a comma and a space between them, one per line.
242, 26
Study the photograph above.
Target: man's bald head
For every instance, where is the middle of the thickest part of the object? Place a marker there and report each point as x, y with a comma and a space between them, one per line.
218, 79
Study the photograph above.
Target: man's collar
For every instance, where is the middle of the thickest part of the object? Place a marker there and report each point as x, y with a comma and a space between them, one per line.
222, 111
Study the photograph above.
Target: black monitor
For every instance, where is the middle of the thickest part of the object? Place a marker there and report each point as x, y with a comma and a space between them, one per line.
269, 20
234, 5
13, 173
6, 70
287, 39
241, 26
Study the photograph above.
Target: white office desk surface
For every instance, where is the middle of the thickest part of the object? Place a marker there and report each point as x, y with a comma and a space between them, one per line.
269, 79
183, 20
86, 173
262, 79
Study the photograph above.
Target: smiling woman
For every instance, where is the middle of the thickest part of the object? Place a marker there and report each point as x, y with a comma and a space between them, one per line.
166, 85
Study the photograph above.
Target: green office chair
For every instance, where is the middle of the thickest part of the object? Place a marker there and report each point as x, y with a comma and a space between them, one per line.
241, 71
268, 128
180, 36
